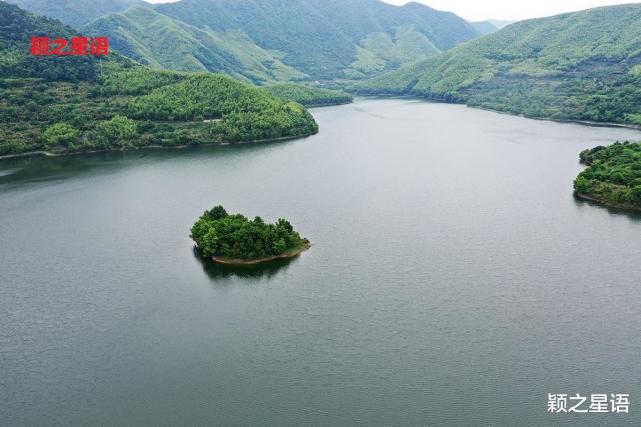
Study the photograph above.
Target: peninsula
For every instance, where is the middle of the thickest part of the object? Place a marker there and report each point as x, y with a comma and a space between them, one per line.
613, 176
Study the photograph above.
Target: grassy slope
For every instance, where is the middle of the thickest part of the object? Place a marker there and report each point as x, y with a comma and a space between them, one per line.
157, 40
331, 38
582, 65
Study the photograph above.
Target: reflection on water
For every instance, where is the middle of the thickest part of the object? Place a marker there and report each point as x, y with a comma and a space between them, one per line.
42, 169
269, 269
37, 169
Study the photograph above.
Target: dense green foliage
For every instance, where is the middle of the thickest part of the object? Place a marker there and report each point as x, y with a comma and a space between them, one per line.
60, 134
613, 175
137, 107
74, 12
157, 40
120, 105
577, 66
219, 234
16, 28
308, 96
266, 40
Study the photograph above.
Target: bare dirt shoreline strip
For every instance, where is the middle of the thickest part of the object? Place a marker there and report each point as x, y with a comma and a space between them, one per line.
291, 254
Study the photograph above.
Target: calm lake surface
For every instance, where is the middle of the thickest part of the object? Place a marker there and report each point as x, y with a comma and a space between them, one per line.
454, 280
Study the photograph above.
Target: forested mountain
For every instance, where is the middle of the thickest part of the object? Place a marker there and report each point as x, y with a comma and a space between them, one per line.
159, 41
74, 12
328, 39
72, 103
582, 65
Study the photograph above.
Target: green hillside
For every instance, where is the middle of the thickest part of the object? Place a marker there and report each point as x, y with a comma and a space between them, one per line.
74, 12
159, 41
580, 66
308, 96
66, 104
267, 40
331, 38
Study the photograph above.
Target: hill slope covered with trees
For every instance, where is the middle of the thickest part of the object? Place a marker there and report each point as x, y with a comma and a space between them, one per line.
267, 40
70, 103
331, 38
578, 66
154, 39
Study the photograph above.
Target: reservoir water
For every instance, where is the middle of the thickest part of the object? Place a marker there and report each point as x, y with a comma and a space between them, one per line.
454, 280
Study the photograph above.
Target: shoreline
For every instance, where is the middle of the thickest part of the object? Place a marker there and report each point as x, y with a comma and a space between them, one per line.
148, 147
333, 104
286, 255
608, 205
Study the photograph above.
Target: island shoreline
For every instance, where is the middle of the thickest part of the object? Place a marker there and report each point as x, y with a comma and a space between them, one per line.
599, 202
239, 262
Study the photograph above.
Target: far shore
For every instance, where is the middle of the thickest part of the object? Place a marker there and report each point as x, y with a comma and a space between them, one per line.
331, 104
290, 254
509, 113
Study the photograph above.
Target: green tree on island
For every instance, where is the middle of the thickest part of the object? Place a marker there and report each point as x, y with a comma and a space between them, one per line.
218, 234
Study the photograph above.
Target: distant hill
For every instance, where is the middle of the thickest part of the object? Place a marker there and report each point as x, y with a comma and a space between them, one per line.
75, 12
328, 39
484, 27
500, 23
582, 66
157, 40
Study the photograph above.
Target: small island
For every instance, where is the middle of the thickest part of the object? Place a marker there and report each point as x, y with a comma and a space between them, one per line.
613, 176
237, 240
